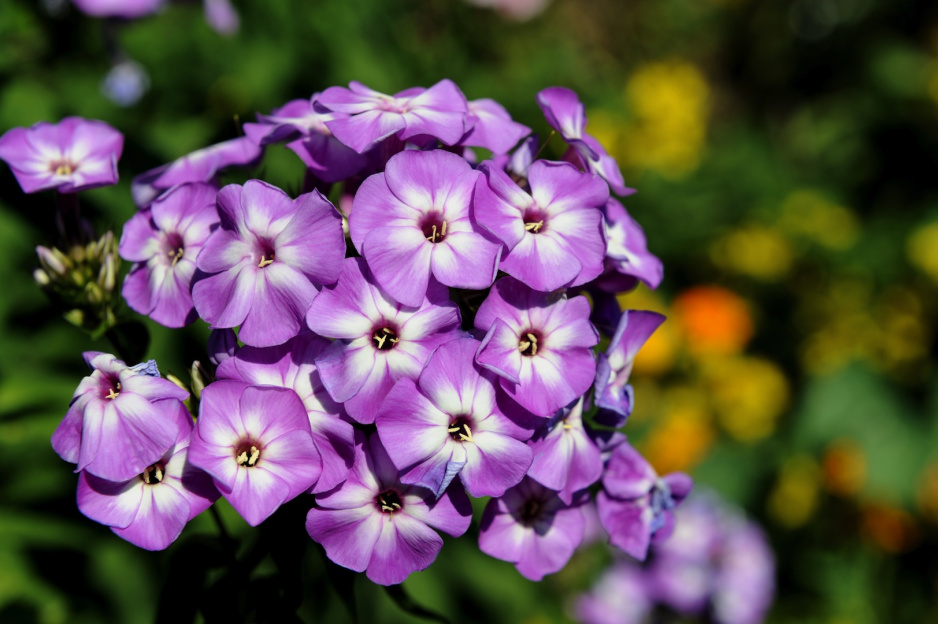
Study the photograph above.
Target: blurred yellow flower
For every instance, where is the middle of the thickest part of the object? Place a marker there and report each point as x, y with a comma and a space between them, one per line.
670, 101
809, 214
714, 320
922, 249
748, 395
684, 434
794, 498
754, 250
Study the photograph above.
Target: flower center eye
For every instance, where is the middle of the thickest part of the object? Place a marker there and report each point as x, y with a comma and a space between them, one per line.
531, 511
266, 251
388, 502
62, 167
152, 475
384, 338
247, 455
534, 221
459, 430
528, 343
433, 227
113, 393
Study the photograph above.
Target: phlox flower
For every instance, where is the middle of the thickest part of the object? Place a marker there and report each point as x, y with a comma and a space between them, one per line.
621, 596
612, 390
126, 9
150, 509
492, 127
256, 444
73, 155
449, 423
202, 165
552, 233
291, 365
379, 341
121, 419
375, 524
304, 127
538, 343
636, 504
565, 114
531, 527
627, 255
413, 221
370, 117
566, 459
265, 262
163, 241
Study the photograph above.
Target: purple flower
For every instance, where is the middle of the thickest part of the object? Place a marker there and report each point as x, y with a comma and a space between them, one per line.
449, 423
379, 340
255, 442
681, 574
150, 509
564, 112
553, 233
126, 9
164, 241
439, 111
291, 366
565, 458
309, 138
375, 524
492, 127
532, 528
121, 419
539, 344
621, 596
266, 261
612, 391
199, 166
627, 255
635, 504
414, 220
221, 16
73, 155
744, 586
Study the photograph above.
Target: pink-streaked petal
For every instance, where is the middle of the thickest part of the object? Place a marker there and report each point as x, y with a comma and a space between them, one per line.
312, 242
466, 260
282, 296
450, 513
399, 259
162, 515
405, 545
494, 463
219, 422
410, 426
363, 131
294, 458
348, 535
628, 524
628, 475
268, 413
107, 502
543, 262
344, 369
66, 439
256, 493
376, 207
550, 552
224, 299
344, 310
499, 352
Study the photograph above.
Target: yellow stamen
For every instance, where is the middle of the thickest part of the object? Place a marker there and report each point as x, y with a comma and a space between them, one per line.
111, 394
534, 227
567, 425
64, 169
434, 233
530, 342
264, 261
380, 340
176, 255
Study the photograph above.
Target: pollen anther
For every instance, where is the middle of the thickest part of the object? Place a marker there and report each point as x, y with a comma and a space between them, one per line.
434, 232
113, 393
534, 227
529, 346
177, 255
249, 460
264, 261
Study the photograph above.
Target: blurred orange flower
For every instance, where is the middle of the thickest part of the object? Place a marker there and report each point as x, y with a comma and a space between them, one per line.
713, 319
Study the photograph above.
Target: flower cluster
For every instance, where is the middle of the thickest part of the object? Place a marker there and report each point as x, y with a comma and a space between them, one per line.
432, 337
717, 562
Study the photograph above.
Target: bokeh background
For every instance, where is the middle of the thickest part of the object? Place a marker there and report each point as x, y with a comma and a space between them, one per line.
786, 157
